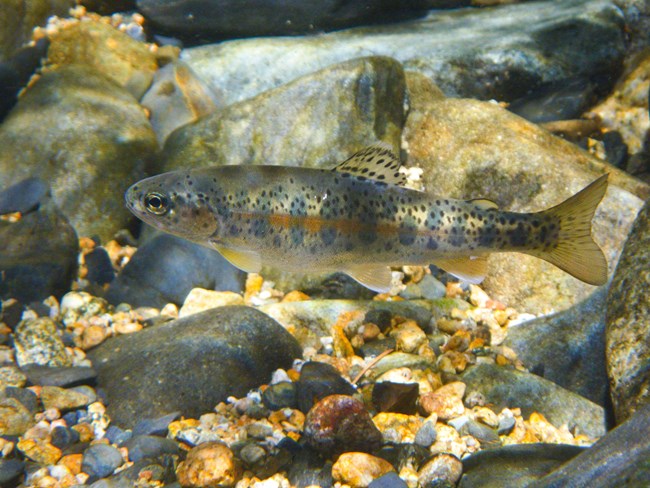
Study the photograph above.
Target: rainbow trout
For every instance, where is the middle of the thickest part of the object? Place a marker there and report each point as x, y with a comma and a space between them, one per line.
358, 218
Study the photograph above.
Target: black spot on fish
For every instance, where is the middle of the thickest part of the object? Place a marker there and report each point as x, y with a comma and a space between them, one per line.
328, 235
234, 230
368, 235
297, 236
487, 236
432, 244
518, 236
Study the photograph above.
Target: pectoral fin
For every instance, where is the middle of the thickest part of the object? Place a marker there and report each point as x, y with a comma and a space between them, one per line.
248, 261
377, 278
472, 269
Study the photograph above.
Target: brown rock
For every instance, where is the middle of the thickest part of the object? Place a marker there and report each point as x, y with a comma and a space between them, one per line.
446, 402
106, 50
211, 464
340, 423
441, 470
72, 462
93, 336
62, 399
39, 452
472, 149
15, 419
359, 469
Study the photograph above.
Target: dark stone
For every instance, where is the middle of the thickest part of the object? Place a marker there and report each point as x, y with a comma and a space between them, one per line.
157, 426
318, 380
621, 458
389, 480
340, 423
401, 455
10, 472
514, 466
116, 435
504, 387
615, 148
376, 347
149, 446
560, 100
627, 332
100, 460
487, 436
395, 397
39, 255
100, 268
166, 268
26, 397
280, 395
222, 19
24, 197
567, 348
63, 376
381, 318
191, 364
63, 437
309, 469
12, 312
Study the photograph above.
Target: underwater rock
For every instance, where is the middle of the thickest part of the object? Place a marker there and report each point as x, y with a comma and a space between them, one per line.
177, 97
88, 159
209, 464
395, 397
317, 121
64, 376
359, 469
37, 341
389, 480
10, 471
567, 348
39, 251
500, 53
504, 387
219, 19
106, 51
628, 322
190, 364
340, 423
318, 380
318, 285
307, 468
15, 418
514, 466
441, 470
471, 149
99, 266
166, 268
18, 19
100, 460
618, 459
280, 395
149, 446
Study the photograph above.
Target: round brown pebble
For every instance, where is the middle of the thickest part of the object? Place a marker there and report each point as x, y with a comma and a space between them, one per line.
211, 464
93, 336
359, 469
441, 470
446, 401
340, 423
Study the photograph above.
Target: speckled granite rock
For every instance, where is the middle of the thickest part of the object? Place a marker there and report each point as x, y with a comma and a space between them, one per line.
567, 348
88, 159
315, 121
472, 149
190, 364
506, 387
628, 322
484, 53
37, 341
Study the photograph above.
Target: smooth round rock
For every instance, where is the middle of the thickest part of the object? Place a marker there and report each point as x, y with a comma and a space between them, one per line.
190, 364
441, 470
157, 426
63, 437
100, 460
359, 469
166, 268
628, 322
90, 159
207, 465
280, 395
149, 446
10, 471
340, 423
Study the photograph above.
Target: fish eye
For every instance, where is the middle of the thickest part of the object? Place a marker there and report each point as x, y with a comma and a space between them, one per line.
156, 203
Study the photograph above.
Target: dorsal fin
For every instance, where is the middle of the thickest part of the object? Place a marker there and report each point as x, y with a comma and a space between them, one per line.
376, 162
484, 204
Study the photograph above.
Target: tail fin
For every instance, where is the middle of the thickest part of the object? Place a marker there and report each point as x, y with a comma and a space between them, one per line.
576, 252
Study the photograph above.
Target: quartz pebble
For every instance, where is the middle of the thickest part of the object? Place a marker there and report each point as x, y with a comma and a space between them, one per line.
359, 469
200, 299
208, 465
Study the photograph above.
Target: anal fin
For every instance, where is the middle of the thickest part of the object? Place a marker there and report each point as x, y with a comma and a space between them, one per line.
248, 261
471, 269
377, 278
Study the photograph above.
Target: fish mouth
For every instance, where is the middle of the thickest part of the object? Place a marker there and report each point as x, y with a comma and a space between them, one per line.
132, 202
